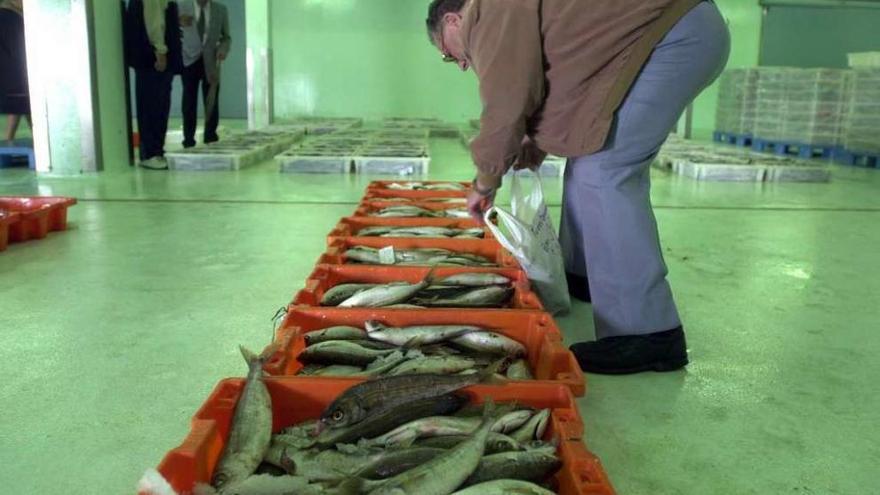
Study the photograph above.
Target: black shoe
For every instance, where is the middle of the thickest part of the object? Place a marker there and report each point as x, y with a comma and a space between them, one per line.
189, 144
211, 139
578, 287
663, 351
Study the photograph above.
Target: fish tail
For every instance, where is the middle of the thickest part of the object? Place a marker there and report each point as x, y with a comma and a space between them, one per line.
487, 375
257, 361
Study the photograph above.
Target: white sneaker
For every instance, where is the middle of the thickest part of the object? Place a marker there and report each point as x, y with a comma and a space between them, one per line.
155, 163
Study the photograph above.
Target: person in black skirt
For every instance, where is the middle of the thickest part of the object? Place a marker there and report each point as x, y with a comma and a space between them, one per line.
14, 97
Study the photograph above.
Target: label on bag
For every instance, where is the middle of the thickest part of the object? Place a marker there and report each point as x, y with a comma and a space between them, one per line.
387, 256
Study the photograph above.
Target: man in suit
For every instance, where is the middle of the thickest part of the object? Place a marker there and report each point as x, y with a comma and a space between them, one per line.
206, 43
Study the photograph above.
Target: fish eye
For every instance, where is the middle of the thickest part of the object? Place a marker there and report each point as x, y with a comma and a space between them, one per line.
338, 415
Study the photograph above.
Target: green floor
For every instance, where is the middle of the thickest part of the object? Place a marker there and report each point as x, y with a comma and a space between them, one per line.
115, 331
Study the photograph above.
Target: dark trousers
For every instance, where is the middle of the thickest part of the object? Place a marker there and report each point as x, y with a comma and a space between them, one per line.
153, 103
193, 76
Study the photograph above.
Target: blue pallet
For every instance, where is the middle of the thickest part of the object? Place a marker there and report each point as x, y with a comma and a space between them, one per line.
856, 159
741, 140
17, 153
801, 150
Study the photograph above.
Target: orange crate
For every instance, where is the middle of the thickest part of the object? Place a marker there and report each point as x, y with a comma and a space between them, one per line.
379, 189
38, 216
350, 226
489, 249
7, 219
296, 399
327, 276
548, 358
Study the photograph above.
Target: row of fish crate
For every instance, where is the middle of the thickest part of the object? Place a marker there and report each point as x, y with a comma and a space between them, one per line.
342, 333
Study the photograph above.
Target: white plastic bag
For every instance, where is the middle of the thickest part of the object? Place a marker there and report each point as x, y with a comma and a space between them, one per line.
529, 235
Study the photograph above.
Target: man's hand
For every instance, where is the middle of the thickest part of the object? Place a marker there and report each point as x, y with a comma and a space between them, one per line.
479, 201
161, 62
221, 56
530, 156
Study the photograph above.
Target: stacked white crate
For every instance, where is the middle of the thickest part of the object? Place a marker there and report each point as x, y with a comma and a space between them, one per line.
771, 102
862, 122
816, 104
737, 99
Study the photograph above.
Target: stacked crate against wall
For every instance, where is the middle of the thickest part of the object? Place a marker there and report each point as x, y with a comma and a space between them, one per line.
862, 121
801, 106
737, 97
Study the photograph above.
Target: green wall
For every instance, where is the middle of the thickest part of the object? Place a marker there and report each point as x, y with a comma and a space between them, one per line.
110, 83
363, 58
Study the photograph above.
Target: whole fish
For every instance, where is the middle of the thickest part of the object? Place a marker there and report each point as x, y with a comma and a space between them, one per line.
338, 370
363, 255
484, 297
341, 352
439, 426
455, 466
457, 213
430, 334
394, 462
519, 370
386, 295
433, 364
390, 362
533, 429
251, 429
334, 333
265, 484
496, 443
390, 418
374, 231
319, 465
529, 465
374, 396
490, 343
474, 280
505, 487
340, 293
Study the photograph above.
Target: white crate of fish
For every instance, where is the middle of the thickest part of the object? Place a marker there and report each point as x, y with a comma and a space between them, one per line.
392, 165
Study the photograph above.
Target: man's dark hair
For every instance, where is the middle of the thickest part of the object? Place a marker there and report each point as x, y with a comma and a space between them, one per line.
437, 10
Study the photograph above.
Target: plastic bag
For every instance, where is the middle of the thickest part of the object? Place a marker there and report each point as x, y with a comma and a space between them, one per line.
528, 234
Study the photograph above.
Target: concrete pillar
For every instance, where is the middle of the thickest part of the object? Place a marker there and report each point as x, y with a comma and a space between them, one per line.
259, 63
63, 47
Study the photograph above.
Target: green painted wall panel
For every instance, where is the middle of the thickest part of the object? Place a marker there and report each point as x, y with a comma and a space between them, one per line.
372, 59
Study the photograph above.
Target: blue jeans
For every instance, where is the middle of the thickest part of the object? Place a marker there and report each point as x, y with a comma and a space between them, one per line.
608, 230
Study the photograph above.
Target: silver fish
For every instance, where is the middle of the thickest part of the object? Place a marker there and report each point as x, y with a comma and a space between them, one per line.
340, 293
491, 343
439, 426
334, 333
433, 364
474, 280
430, 334
341, 352
485, 297
251, 429
387, 295
529, 465
534, 429
505, 487
519, 370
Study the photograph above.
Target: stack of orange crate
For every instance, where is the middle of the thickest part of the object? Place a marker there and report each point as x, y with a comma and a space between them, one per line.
558, 378
31, 218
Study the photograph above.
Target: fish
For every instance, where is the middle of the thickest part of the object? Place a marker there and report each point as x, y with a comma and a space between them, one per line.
265, 484
519, 370
394, 462
341, 352
429, 334
390, 362
474, 280
340, 293
373, 396
374, 231
362, 255
483, 297
251, 430
457, 213
405, 435
385, 420
319, 465
496, 443
528, 465
455, 465
338, 370
386, 295
533, 429
335, 333
433, 364
490, 343
505, 487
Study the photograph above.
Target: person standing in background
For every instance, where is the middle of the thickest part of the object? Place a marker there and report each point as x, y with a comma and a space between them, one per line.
206, 42
153, 50
14, 97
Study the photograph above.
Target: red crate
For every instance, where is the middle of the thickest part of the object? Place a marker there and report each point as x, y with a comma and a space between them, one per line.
7, 219
548, 358
37, 216
296, 399
327, 276
490, 249
350, 226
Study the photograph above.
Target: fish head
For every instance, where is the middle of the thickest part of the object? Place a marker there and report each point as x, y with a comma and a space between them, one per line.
343, 412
